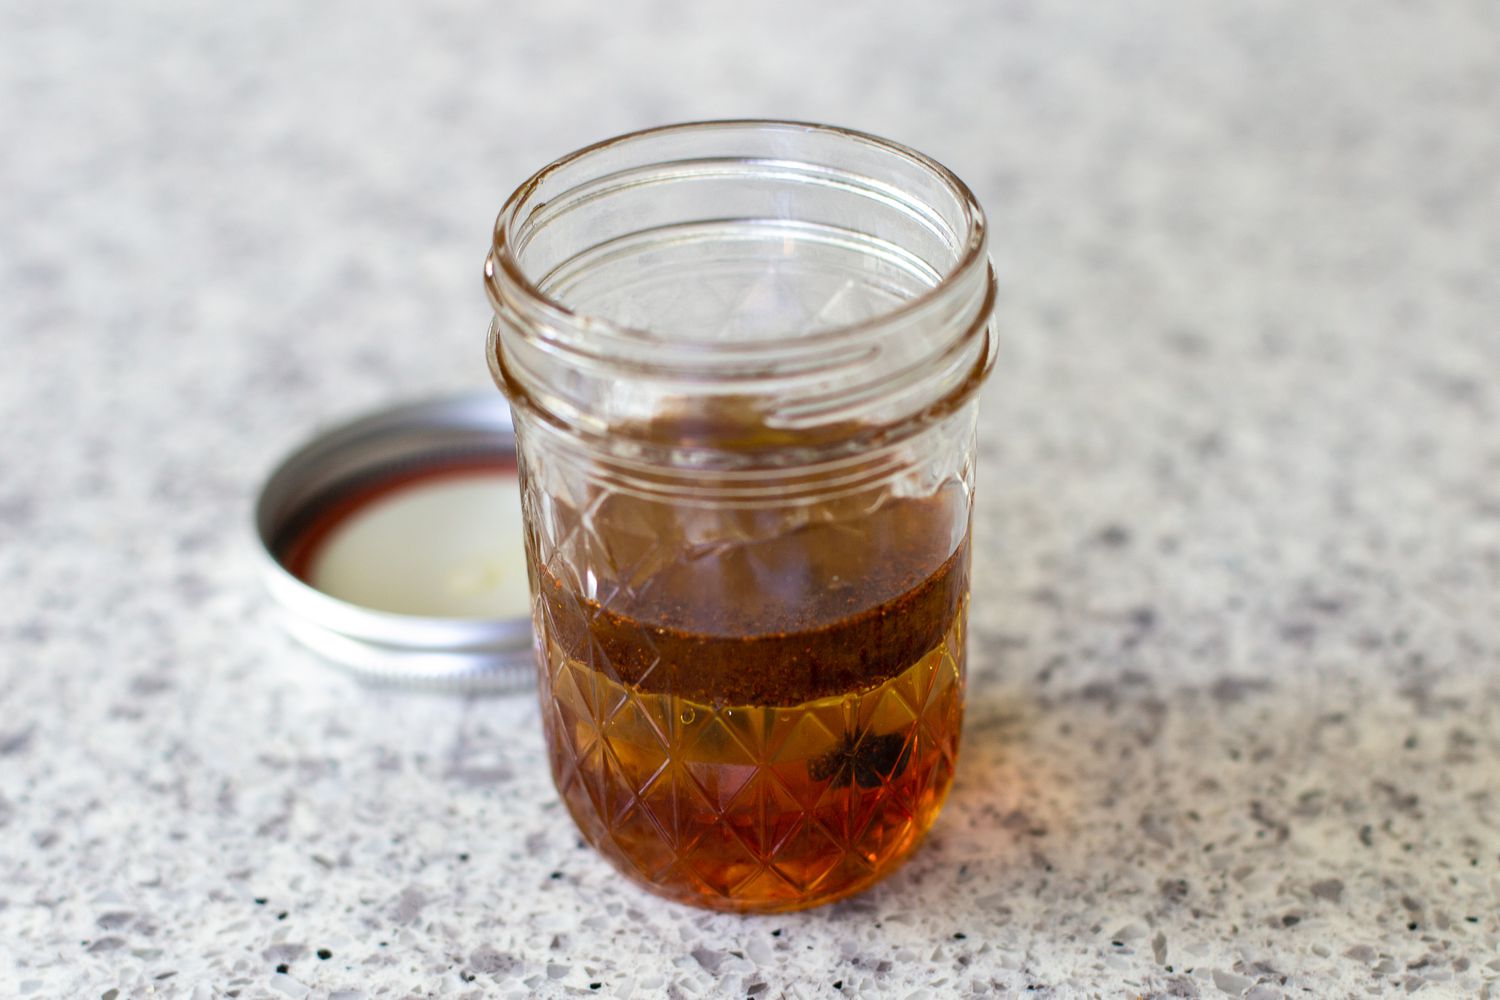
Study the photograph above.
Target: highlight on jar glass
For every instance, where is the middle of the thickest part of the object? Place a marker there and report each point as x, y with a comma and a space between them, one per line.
743, 360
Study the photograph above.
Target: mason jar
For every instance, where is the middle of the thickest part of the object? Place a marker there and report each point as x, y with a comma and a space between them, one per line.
743, 359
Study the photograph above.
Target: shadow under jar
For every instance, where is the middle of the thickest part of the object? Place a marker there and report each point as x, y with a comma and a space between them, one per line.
743, 360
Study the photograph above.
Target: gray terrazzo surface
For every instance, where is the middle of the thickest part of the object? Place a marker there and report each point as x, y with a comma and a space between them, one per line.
1234, 720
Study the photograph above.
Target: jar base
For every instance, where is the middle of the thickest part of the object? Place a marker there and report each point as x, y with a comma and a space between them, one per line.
757, 809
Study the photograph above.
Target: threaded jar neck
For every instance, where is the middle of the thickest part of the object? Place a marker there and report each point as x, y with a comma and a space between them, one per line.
744, 286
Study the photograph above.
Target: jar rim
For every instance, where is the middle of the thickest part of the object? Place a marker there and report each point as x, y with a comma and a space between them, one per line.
502, 257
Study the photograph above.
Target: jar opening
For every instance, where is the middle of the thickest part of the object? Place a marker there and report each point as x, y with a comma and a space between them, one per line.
806, 263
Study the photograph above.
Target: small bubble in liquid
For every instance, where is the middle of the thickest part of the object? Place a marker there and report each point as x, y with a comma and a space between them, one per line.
688, 715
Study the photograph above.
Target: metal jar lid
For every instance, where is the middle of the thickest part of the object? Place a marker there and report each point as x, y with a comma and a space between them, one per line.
338, 472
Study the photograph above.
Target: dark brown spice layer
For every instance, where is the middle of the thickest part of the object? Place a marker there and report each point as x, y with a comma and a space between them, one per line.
840, 604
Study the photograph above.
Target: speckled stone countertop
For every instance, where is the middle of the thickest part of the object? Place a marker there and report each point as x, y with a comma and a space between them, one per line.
1234, 723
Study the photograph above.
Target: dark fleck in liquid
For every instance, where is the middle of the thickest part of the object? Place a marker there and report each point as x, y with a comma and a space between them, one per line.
765, 725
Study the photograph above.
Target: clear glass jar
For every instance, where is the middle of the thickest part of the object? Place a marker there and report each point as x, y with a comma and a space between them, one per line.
743, 359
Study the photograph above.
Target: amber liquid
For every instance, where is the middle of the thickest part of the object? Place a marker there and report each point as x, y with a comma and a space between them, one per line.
762, 726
